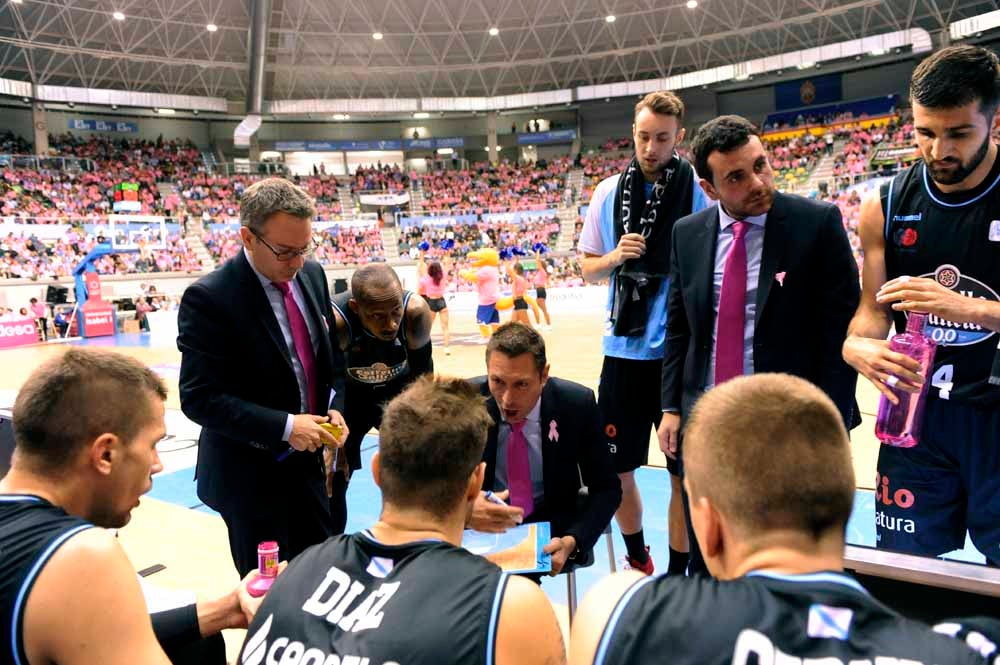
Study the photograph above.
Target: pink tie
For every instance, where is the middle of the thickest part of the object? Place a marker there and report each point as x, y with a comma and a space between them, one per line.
301, 340
519, 470
732, 310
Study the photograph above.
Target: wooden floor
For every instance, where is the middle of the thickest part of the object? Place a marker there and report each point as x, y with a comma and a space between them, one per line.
193, 546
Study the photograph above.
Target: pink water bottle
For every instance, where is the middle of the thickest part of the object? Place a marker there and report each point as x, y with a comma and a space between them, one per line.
900, 424
267, 569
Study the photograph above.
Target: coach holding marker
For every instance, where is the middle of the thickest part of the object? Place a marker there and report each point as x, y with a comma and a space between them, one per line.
256, 373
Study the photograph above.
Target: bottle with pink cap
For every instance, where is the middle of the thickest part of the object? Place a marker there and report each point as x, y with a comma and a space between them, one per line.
267, 569
900, 424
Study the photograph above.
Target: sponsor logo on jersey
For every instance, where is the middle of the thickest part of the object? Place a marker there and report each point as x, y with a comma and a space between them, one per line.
829, 622
892, 497
753, 647
378, 372
949, 333
916, 217
284, 651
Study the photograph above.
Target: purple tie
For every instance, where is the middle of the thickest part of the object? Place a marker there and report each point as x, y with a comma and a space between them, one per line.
732, 309
301, 340
519, 470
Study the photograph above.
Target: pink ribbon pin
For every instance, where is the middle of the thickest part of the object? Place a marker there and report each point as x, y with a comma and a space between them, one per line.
553, 431
780, 277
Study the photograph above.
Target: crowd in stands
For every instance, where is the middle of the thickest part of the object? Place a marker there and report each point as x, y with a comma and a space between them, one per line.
12, 144
215, 198
470, 237
336, 245
28, 257
505, 186
380, 178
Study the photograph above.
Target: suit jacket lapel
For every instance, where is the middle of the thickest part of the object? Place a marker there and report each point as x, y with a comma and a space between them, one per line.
774, 247
490, 453
547, 415
259, 299
703, 273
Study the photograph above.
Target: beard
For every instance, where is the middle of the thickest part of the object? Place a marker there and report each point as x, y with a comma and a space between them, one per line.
956, 174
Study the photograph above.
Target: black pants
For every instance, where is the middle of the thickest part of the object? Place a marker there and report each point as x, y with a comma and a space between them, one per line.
361, 413
296, 525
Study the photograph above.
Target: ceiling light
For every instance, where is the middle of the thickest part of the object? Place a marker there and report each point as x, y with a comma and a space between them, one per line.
494, 32
26, 100
340, 116
165, 111
691, 4
195, 111
878, 51
211, 27
610, 18
118, 16
71, 105
445, 151
421, 115
114, 107
806, 65
376, 36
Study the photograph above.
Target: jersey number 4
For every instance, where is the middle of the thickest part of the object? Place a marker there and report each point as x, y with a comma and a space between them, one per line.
944, 380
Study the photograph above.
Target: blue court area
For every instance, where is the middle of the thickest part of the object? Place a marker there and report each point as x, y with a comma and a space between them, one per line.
364, 503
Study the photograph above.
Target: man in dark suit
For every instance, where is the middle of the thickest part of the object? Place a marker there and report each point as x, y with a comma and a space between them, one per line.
762, 282
545, 443
256, 372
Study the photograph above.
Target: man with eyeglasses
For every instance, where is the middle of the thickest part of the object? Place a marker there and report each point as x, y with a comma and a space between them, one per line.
384, 333
256, 374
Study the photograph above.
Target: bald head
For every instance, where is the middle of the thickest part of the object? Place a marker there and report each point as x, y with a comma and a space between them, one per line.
770, 452
375, 283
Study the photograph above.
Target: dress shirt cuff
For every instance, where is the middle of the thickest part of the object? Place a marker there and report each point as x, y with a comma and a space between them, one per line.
288, 428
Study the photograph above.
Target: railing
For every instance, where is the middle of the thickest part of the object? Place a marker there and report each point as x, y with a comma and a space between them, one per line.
253, 168
44, 162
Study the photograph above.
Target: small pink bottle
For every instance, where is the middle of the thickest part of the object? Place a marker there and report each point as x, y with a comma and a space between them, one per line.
267, 569
900, 424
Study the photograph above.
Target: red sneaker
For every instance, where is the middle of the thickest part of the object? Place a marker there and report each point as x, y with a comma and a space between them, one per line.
645, 568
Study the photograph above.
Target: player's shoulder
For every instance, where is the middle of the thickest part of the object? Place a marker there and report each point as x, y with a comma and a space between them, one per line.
564, 389
604, 189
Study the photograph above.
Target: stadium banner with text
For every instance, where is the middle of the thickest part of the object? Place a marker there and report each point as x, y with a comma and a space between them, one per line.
431, 144
17, 332
334, 146
81, 124
556, 136
519, 216
890, 155
444, 220
807, 92
384, 199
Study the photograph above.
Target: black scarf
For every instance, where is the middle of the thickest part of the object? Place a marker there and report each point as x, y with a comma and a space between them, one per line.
639, 279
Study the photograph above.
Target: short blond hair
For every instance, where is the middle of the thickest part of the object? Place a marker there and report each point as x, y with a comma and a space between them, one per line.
662, 102
771, 453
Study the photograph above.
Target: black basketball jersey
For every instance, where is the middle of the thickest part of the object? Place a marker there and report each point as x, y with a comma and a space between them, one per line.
31, 530
766, 619
423, 603
953, 238
380, 366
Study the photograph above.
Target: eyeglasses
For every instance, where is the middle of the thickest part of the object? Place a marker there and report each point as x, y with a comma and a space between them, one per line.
289, 254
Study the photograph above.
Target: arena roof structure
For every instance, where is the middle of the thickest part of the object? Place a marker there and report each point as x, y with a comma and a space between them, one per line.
410, 49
